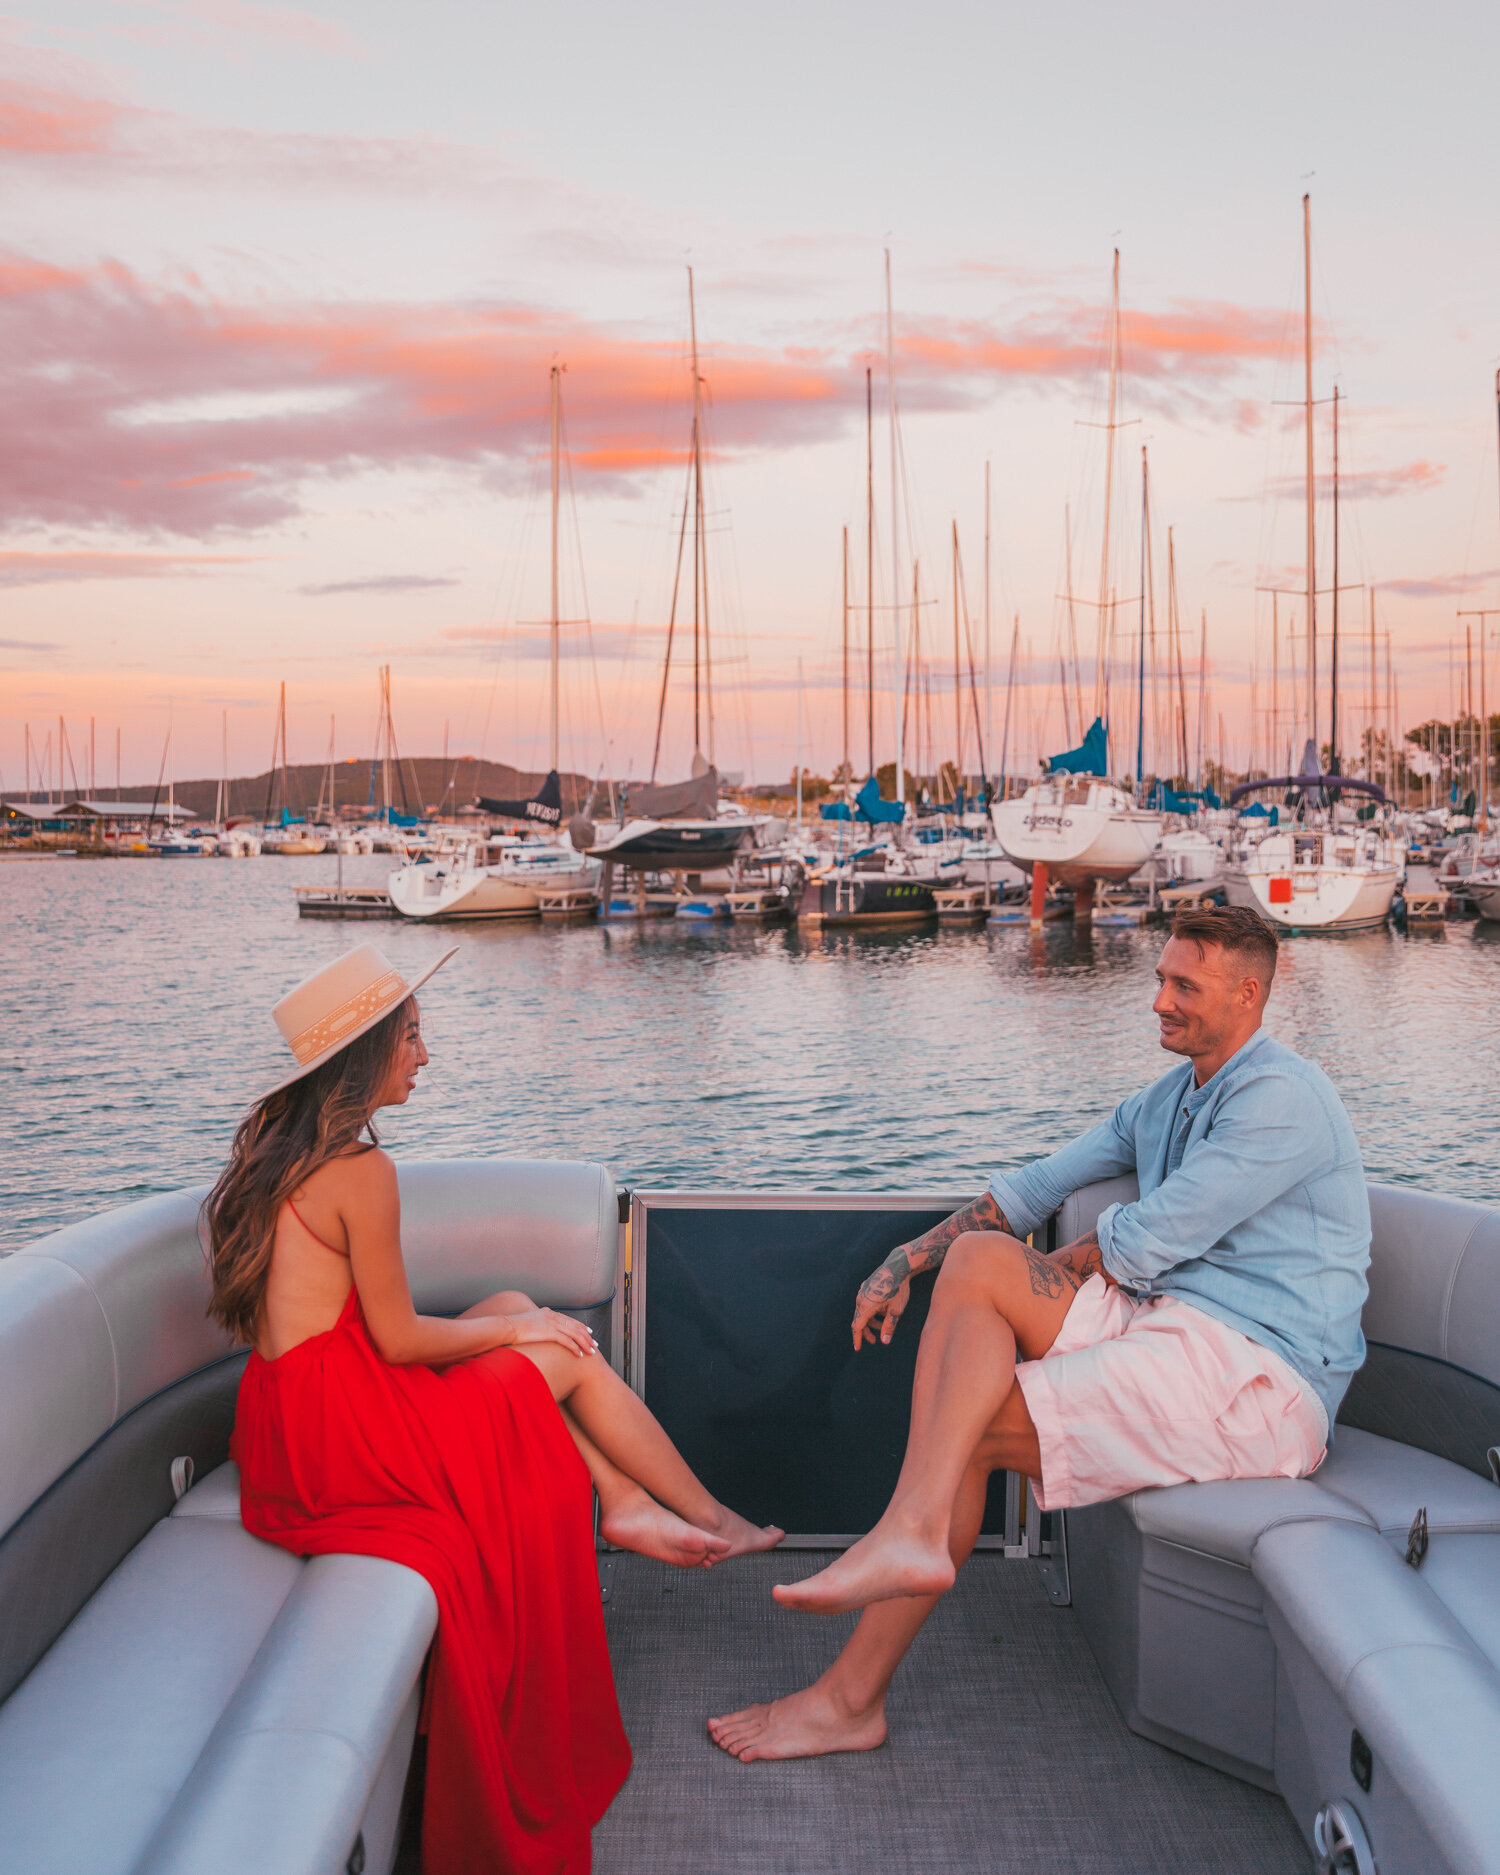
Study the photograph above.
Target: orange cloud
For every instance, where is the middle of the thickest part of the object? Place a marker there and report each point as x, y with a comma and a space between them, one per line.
37, 122
138, 407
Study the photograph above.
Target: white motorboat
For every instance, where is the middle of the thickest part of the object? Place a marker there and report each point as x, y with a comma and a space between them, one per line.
1305, 878
170, 844
354, 840
242, 842
1081, 828
1190, 857
503, 878
1484, 889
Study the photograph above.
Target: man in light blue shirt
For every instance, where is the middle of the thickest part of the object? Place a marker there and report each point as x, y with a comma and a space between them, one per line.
1205, 1330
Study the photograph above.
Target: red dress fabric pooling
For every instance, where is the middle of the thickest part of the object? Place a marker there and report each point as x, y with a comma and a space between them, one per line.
466, 1474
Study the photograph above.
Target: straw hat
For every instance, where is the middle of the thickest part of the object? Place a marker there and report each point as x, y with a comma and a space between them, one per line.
339, 1003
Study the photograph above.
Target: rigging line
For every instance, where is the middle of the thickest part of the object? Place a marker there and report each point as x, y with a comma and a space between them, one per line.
969, 646
672, 620
583, 583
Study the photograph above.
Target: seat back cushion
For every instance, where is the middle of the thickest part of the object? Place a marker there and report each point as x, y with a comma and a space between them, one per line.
1431, 1377
1079, 1211
472, 1226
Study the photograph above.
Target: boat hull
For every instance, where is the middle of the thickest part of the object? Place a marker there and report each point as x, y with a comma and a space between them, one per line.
866, 899
1321, 899
681, 846
1078, 841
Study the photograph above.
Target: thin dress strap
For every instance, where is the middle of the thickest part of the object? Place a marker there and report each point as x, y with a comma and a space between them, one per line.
312, 1233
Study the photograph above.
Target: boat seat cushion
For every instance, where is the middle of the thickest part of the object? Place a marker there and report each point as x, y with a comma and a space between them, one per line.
1390, 1482
106, 1736
1229, 1518
1404, 1668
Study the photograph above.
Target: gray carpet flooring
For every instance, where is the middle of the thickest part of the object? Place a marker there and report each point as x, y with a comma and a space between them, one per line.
1006, 1751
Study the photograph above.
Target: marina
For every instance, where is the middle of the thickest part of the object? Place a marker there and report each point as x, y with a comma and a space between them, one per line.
752, 968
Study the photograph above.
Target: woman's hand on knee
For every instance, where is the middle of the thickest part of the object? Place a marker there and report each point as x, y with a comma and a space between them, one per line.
542, 1325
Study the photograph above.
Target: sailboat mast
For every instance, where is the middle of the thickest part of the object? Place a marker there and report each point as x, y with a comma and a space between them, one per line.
847, 771
1312, 579
989, 668
869, 572
1109, 485
697, 533
958, 683
1333, 688
1140, 695
890, 384
552, 712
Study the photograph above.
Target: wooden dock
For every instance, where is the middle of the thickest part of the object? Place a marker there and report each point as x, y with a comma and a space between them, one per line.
350, 901
962, 904
1427, 910
568, 902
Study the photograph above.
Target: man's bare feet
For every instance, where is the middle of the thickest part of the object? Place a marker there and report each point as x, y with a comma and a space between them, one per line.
805, 1725
888, 1562
743, 1537
639, 1523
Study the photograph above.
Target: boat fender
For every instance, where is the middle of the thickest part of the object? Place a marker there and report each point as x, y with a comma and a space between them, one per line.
182, 1475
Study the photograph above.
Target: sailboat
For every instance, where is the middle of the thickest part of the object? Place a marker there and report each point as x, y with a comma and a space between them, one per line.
506, 875
291, 838
1076, 826
1315, 875
678, 826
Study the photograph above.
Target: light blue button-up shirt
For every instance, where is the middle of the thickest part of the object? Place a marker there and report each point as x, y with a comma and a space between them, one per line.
1253, 1205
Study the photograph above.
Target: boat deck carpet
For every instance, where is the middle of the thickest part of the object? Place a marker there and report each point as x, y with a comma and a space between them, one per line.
1006, 1751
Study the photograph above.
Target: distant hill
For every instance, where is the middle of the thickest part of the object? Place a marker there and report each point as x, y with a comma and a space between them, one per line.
426, 787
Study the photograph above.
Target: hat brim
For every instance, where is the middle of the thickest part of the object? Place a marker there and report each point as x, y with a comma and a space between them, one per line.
354, 1034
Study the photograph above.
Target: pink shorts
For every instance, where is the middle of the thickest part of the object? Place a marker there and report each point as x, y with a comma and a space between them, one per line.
1134, 1394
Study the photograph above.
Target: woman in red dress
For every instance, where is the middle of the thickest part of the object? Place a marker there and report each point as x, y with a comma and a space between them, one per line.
462, 1448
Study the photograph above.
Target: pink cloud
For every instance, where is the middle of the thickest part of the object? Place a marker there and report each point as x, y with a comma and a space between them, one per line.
18, 568
137, 406
1439, 586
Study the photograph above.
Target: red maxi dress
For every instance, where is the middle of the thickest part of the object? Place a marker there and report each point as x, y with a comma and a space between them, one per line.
465, 1473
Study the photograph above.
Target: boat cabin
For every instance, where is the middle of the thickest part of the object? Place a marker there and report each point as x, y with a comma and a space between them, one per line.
1250, 1677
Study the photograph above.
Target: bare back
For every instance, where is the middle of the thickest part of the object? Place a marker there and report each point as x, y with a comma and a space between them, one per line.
310, 1277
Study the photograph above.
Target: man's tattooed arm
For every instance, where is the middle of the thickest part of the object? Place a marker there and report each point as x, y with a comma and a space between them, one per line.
882, 1296
927, 1253
1081, 1260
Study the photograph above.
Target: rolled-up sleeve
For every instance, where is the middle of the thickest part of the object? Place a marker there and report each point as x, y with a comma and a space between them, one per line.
1030, 1195
1268, 1136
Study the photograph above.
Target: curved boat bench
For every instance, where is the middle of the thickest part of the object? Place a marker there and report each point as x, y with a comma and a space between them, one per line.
178, 1696
1273, 1628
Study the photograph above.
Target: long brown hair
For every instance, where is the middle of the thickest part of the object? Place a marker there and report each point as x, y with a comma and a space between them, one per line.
280, 1143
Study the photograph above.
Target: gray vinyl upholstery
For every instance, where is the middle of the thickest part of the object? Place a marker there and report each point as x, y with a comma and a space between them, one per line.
177, 1688
1256, 1624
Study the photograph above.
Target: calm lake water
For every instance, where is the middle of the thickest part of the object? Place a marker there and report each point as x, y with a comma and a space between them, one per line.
135, 1028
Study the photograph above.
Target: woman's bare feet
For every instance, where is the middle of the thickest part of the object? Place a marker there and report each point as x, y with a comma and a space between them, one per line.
742, 1536
890, 1561
639, 1523
808, 1724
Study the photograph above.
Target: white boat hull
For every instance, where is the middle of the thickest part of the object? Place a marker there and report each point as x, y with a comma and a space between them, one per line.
486, 892
1080, 832
1318, 882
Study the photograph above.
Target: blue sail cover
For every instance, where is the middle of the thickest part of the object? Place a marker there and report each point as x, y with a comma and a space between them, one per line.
873, 808
835, 810
1089, 758
1174, 801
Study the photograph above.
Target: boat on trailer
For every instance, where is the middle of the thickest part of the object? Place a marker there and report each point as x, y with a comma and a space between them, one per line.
1246, 1677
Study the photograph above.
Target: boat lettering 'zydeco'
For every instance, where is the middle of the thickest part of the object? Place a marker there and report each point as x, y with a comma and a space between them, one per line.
1080, 828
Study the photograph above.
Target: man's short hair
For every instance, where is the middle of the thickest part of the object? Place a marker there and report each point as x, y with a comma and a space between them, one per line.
1237, 930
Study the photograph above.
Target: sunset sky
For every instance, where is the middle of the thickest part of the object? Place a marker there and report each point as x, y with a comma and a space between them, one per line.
280, 288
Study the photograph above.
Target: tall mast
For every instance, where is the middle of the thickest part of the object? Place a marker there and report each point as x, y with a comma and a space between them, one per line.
552, 715
1312, 577
698, 595
1072, 616
1109, 485
1202, 670
1176, 629
1333, 688
890, 384
1010, 690
989, 669
1140, 695
848, 772
1374, 695
869, 571
958, 686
